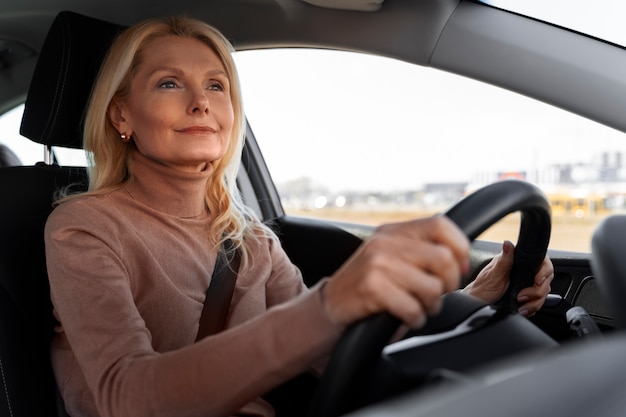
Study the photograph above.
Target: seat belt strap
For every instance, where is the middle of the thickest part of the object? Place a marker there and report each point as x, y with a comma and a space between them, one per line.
220, 291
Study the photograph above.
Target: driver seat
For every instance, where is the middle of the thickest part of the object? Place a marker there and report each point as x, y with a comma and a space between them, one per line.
57, 97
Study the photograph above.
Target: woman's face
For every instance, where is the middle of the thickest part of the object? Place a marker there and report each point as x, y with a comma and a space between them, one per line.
179, 110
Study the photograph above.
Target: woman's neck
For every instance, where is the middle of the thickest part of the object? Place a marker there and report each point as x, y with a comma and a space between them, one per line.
165, 189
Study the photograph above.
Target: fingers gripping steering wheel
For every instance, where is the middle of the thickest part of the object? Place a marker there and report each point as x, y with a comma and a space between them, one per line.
360, 347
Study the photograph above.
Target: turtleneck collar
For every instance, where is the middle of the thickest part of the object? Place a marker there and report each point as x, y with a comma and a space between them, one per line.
166, 189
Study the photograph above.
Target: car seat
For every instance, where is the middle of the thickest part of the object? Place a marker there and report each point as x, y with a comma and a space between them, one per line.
57, 96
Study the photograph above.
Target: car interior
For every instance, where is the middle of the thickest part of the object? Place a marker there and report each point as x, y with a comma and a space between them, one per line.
485, 369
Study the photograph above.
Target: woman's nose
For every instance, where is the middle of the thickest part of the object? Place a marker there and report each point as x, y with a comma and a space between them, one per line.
199, 102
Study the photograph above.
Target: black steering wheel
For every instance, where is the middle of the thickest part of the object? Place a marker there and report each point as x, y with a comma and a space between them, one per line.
357, 354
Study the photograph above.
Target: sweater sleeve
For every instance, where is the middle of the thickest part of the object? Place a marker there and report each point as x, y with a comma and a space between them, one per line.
285, 281
93, 300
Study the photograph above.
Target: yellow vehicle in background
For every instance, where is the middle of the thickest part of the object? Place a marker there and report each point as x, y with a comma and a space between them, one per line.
571, 205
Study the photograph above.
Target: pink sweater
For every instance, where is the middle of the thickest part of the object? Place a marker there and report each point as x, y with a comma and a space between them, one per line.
128, 274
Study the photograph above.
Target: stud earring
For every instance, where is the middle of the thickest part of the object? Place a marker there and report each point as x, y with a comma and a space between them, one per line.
125, 138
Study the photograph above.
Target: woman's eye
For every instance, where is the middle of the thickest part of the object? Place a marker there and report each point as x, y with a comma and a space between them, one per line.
168, 84
216, 86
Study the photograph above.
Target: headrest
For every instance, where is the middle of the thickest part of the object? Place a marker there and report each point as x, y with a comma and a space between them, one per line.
66, 69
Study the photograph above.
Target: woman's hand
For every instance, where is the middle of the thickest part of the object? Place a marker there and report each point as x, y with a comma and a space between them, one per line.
403, 269
493, 280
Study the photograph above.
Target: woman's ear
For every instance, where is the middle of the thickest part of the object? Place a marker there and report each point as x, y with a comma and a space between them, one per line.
117, 116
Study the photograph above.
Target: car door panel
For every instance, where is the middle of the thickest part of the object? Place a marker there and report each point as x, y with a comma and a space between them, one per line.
317, 247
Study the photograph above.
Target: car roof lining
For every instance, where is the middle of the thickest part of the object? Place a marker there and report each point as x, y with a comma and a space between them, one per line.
405, 30
360, 5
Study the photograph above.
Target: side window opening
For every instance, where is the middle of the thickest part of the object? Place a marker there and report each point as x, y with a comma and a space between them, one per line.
28, 152
363, 139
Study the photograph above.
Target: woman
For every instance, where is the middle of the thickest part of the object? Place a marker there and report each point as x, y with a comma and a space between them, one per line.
130, 261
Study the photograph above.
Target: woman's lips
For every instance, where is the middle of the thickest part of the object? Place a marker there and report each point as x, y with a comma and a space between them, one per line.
197, 130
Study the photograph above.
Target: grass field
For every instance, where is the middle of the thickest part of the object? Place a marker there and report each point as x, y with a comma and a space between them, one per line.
568, 233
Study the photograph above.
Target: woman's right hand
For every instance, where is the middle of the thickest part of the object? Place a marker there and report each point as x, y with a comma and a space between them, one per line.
403, 268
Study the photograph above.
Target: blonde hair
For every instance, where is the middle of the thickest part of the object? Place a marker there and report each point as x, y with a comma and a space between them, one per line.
108, 156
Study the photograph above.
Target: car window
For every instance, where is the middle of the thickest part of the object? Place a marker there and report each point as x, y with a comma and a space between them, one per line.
357, 138
28, 152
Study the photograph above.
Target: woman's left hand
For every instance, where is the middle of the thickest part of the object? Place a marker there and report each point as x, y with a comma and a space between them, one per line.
493, 281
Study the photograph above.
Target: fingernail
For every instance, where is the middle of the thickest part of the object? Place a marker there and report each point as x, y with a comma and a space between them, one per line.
506, 249
547, 277
522, 299
524, 312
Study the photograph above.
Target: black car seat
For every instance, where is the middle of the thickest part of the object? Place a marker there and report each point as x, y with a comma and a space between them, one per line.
61, 83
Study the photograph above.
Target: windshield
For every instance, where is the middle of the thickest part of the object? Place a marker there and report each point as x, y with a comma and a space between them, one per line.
603, 19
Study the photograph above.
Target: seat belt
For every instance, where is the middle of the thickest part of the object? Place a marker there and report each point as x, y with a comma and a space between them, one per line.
220, 291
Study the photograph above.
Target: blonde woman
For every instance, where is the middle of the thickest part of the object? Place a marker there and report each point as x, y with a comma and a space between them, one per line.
130, 260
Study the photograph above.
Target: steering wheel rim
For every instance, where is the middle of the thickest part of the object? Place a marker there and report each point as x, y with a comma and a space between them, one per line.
357, 352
